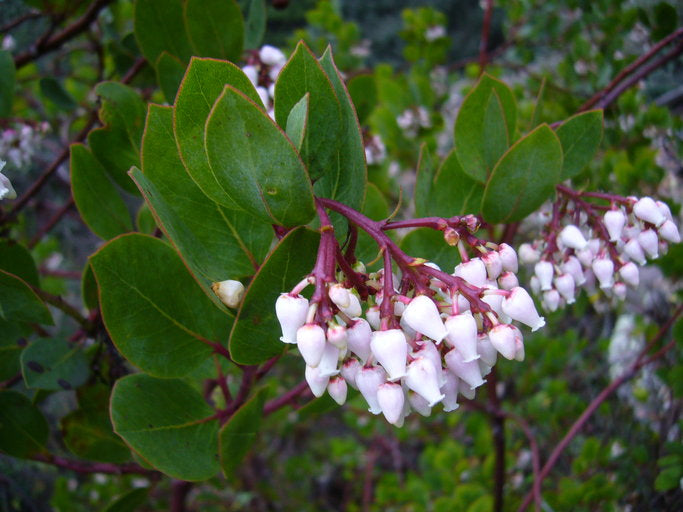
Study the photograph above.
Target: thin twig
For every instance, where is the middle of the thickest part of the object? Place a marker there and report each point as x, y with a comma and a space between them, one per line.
21, 19
179, 491
484, 42
47, 227
94, 467
285, 398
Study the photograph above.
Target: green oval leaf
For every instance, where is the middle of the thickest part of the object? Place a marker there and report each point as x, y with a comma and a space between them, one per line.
255, 23
11, 346
55, 92
580, 136
255, 336
7, 82
23, 429
54, 364
524, 177
297, 121
170, 71
159, 26
156, 314
17, 260
19, 303
255, 163
130, 501
215, 28
164, 421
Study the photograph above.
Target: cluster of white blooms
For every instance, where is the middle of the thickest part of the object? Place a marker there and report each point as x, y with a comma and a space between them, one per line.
435, 341
262, 69
375, 150
605, 251
435, 32
412, 119
6, 189
20, 143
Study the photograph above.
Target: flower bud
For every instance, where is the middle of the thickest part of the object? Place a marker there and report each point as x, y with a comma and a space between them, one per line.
614, 221
508, 280
271, 56
316, 382
493, 264
487, 352
420, 405
354, 309
390, 348
629, 274
462, 335
664, 209
519, 344
336, 335
428, 350
329, 361
472, 271
508, 257
544, 271
573, 267
391, 399
572, 237
373, 317
465, 390
339, 295
230, 292
349, 370
519, 306
669, 232
646, 209
649, 242
310, 339
423, 316
338, 390
634, 251
619, 291
551, 300
535, 285
585, 256
467, 371
528, 255
291, 312
358, 338
502, 337
422, 377
564, 284
603, 268
252, 74
368, 381
450, 390
263, 95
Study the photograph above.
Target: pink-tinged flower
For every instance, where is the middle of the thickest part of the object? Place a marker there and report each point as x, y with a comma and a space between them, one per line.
316, 382
423, 316
336, 335
467, 371
544, 271
252, 74
634, 251
551, 300
338, 390
664, 209
462, 335
230, 292
493, 264
373, 317
619, 291
508, 280
614, 221
502, 337
508, 257
291, 312
465, 390
263, 95
329, 361
339, 295
585, 256
354, 309
519, 344
390, 348
368, 381
422, 377
428, 350
573, 267
272, 56
603, 268
349, 371
572, 237
450, 390
419, 404
669, 232
564, 284
528, 255
646, 209
649, 242
358, 338
472, 271
391, 400
310, 339
519, 306
629, 274
487, 352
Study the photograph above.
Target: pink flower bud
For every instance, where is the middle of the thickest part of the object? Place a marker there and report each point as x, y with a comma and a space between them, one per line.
338, 390
462, 335
664, 209
252, 74
339, 295
551, 300
368, 381
316, 382
619, 291
486, 350
572, 237
669, 232
573, 267
508, 280
271, 56
450, 390
349, 370
646, 209
428, 350
390, 348
603, 268
535, 285
358, 338
502, 337
354, 309
423, 316
391, 399
465, 390
336, 335
494, 301
467, 371
329, 361
519, 344
649, 242
420, 405
263, 95
634, 251
473, 271
373, 317
564, 284
630, 275
493, 264
585, 256
544, 271
519, 306
528, 255
310, 339
422, 377
614, 221
508, 257
291, 312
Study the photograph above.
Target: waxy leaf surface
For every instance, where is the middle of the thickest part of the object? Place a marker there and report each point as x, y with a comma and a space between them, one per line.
54, 364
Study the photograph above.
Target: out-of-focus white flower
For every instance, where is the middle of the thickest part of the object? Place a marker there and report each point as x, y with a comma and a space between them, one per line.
435, 32
272, 56
6, 189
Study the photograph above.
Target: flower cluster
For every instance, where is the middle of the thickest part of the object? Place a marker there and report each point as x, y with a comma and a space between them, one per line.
20, 141
407, 342
262, 69
375, 150
6, 189
586, 244
413, 119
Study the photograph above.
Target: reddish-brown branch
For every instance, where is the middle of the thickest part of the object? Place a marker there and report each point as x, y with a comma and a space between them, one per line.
21, 19
285, 398
94, 467
47, 227
179, 491
485, 30
370, 460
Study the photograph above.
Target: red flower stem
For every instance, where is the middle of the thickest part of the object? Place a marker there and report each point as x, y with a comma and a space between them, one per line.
354, 279
386, 309
324, 268
350, 253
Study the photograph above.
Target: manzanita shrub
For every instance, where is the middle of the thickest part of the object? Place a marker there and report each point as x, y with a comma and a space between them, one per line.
260, 233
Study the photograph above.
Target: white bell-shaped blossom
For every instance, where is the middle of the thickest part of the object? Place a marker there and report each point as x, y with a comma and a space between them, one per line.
669, 232
544, 271
329, 361
271, 56
349, 371
373, 317
390, 348
354, 309
310, 340
519, 344
508, 280
649, 241
614, 221
502, 337
468, 371
419, 404
423, 316
263, 94
573, 267
535, 285
487, 352
337, 336
339, 295
291, 311
423, 378
619, 290
585, 256
466, 391
508, 258
565, 285
391, 399
472, 271
428, 350
646, 209
462, 335
603, 268
230, 292
572, 237
630, 274
338, 389
528, 255
368, 381
450, 390
519, 306
664, 209
252, 74
407, 330
358, 338
634, 251
551, 300
494, 300
484, 368
6, 189
316, 381
493, 264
